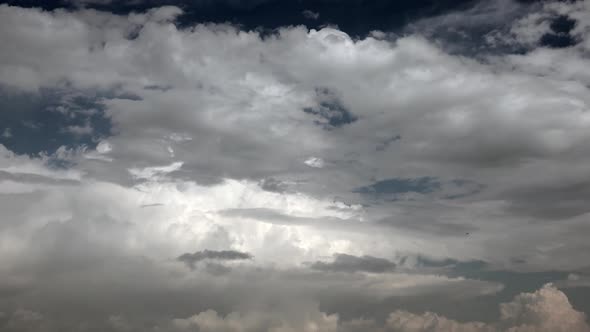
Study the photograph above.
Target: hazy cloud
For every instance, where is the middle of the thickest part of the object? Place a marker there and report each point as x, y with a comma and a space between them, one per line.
349, 263
225, 255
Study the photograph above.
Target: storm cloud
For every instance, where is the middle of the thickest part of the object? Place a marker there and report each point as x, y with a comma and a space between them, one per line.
223, 255
294, 166
349, 263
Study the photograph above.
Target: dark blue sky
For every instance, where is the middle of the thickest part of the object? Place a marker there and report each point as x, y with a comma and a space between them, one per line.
356, 17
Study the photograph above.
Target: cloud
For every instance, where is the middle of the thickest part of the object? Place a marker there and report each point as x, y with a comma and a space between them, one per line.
23, 320
224, 255
349, 263
155, 171
479, 115
314, 162
547, 309
433, 139
210, 321
403, 321
292, 147
544, 310
80, 130
310, 14
399, 186
273, 185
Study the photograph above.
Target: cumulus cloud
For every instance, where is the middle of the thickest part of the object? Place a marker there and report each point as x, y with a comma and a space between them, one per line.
544, 310
234, 322
407, 322
547, 309
327, 157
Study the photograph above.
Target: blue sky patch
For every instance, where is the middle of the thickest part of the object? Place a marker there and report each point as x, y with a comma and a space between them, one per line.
448, 189
34, 123
422, 185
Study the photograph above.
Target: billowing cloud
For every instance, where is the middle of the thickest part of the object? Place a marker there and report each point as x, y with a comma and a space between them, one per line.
374, 178
544, 310
547, 309
234, 322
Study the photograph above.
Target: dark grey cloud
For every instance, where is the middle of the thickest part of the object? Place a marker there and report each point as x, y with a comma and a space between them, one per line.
400, 188
330, 111
561, 199
272, 184
437, 228
35, 178
450, 265
382, 146
191, 259
350, 263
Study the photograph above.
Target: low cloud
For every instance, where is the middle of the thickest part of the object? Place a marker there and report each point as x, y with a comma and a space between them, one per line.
349, 263
546, 310
224, 255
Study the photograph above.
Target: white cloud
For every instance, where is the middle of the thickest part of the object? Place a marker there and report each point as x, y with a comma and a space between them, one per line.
210, 321
402, 321
80, 130
237, 114
233, 110
228, 106
545, 310
153, 172
314, 162
104, 147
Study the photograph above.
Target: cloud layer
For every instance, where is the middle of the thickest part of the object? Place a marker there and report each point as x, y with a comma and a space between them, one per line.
164, 175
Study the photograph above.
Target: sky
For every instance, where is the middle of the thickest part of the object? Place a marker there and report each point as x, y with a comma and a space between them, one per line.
294, 166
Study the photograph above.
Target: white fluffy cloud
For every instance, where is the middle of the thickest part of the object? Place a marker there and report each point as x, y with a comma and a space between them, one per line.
210, 321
